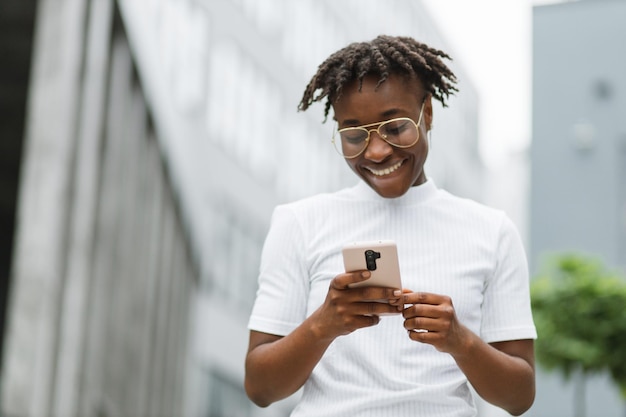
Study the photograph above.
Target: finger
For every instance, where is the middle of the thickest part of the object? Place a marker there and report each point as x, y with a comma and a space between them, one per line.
367, 321
396, 302
377, 294
421, 298
399, 293
423, 336
374, 308
423, 323
358, 322
423, 310
343, 281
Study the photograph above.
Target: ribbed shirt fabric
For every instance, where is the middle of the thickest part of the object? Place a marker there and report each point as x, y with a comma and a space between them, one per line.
446, 245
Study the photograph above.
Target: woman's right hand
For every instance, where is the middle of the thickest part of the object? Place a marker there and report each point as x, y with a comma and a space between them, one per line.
347, 309
278, 366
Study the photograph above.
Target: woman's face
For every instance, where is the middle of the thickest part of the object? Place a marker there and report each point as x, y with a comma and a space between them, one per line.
389, 170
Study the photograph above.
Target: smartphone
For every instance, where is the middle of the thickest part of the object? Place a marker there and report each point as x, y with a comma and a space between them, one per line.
380, 257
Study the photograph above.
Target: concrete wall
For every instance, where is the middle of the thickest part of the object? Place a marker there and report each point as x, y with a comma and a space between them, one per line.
103, 275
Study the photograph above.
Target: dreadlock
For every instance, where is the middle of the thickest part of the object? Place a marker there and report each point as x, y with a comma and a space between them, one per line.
383, 56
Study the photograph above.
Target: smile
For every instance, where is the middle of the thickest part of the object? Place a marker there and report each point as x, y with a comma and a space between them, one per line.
386, 171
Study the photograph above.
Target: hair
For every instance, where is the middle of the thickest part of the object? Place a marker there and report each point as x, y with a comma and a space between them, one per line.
382, 56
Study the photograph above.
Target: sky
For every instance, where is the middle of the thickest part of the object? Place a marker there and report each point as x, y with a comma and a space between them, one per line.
492, 38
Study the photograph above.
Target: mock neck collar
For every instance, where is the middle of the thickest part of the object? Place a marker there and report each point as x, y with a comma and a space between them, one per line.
414, 195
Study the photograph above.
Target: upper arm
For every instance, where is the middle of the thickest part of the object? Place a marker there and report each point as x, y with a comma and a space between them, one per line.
523, 349
259, 338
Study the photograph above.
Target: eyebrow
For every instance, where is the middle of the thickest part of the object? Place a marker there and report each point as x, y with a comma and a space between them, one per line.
387, 114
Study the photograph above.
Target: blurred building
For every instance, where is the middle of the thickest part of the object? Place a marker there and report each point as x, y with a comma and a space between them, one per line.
578, 199
578, 191
159, 135
101, 273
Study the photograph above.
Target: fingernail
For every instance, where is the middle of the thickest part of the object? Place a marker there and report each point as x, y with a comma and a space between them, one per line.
365, 274
397, 293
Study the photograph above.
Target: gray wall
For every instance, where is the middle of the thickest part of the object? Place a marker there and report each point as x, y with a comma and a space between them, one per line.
103, 275
578, 197
578, 174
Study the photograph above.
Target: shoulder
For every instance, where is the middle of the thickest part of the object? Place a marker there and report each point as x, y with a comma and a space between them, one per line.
467, 217
468, 208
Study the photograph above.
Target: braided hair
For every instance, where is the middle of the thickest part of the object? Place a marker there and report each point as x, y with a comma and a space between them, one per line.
383, 56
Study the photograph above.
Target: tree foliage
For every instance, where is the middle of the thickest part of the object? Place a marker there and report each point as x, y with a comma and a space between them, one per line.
579, 307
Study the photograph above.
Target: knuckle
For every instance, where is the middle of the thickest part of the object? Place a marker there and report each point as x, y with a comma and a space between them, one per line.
415, 323
341, 309
378, 308
334, 298
388, 292
367, 293
445, 328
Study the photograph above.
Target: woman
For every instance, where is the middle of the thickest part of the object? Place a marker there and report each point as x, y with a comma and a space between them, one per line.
464, 314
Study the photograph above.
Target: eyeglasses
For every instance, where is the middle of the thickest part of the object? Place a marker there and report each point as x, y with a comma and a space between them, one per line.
401, 132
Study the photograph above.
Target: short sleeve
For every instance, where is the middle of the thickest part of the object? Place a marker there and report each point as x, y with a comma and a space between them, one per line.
281, 300
506, 305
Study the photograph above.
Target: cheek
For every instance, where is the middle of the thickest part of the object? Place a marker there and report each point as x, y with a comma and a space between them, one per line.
420, 151
420, 154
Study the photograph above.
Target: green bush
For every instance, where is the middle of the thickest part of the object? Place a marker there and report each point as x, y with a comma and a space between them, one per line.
579, 307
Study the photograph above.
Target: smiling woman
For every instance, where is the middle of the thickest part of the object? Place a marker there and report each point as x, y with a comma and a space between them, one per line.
464, 317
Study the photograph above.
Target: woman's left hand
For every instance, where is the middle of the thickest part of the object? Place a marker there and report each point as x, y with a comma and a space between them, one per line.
501, 372
431, 318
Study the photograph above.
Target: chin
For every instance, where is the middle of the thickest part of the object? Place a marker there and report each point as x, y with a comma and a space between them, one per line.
389, 192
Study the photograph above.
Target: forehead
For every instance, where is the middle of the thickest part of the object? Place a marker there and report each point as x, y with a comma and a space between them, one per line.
397, 96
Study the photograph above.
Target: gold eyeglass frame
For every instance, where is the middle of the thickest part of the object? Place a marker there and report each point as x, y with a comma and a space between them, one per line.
377, 130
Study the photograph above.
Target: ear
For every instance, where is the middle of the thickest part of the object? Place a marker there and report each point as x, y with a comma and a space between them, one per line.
428, 112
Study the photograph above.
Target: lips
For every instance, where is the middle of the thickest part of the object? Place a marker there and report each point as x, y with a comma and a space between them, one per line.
385, 171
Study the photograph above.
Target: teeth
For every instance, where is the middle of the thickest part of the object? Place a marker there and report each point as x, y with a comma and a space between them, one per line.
384, 171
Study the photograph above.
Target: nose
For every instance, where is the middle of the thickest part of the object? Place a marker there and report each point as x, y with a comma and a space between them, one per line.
377, 149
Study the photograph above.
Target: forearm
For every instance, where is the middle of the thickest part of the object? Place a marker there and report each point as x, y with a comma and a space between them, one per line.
500, 377
278, 369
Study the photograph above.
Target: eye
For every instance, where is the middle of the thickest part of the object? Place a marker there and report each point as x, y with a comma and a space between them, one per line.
353, 136
395, 127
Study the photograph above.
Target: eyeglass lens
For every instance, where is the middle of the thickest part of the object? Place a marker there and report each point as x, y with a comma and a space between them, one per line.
401, 132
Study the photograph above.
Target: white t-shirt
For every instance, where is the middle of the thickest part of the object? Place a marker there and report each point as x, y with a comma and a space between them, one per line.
446, 245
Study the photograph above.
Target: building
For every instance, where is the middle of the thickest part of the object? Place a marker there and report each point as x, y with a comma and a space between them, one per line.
102, 271
578, 192
191, 103
578, 199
